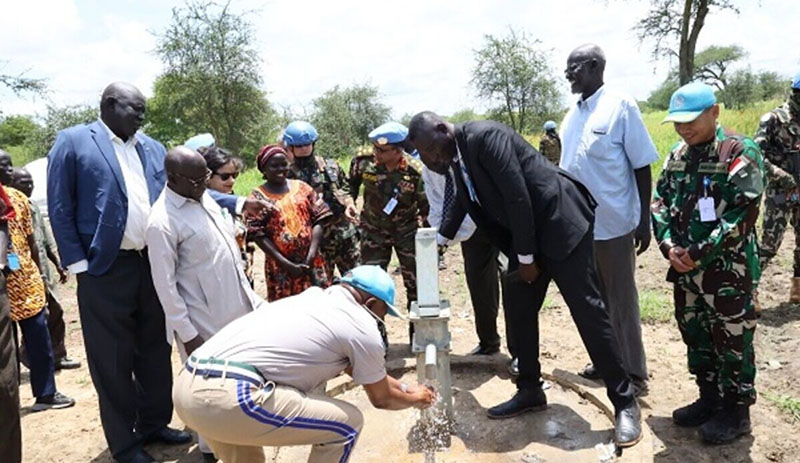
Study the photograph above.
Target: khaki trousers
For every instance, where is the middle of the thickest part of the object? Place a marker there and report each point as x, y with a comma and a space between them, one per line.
239, 416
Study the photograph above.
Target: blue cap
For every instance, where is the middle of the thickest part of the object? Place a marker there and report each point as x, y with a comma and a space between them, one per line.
299, 133
390, 132
550, 125
375, 281
796, 81
690, 101
200, 141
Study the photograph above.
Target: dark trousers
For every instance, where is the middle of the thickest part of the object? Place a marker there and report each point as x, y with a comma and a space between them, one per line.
56, 327
127, 351
36, 339
485, 276
577, 280
10, 432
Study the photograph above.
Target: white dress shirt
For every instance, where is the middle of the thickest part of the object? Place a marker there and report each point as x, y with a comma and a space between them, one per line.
604, 140
138, 195
196, 266
434, 190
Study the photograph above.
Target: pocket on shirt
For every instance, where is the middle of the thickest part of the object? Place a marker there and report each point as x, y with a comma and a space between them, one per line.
599, 130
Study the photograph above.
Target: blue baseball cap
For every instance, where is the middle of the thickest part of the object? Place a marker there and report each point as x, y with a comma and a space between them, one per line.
690, 101
796, 81
390, 132
375, 281
200, 141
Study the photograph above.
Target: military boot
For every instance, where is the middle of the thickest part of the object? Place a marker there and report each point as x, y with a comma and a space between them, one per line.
701, 410
730, 422
794, 296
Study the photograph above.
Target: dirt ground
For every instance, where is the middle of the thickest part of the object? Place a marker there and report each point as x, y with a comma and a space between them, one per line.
75, 434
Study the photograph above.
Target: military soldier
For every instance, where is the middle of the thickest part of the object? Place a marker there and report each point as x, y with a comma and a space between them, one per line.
340, 245
704, 212
779, 137
394, 202
550, 144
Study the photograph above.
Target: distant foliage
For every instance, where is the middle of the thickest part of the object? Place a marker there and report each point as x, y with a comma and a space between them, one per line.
513, 73
746, 87
211, 82
344, 116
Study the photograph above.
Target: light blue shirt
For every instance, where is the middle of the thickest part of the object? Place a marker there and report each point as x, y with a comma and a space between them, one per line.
603, 141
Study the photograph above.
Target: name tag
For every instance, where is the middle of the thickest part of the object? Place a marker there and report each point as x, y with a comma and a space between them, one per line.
676, 166
713, 168
389, 207
707, 212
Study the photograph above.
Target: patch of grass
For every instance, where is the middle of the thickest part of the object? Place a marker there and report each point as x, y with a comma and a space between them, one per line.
655, 307
786, 404
248, 180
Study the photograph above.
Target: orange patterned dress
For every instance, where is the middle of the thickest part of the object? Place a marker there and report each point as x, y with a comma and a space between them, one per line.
26, 294
288, 225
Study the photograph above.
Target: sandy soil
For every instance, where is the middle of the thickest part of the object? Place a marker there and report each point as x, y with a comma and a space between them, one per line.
75, 434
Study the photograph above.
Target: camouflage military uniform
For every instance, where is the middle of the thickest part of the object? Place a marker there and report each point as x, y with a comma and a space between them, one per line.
778, 134
550, 147
713, 303
380, 232
340, 243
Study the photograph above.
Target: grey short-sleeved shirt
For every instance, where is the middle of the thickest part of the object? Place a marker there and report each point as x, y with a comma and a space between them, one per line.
304, 340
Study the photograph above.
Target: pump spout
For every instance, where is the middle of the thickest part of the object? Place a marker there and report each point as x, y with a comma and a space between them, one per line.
430, 361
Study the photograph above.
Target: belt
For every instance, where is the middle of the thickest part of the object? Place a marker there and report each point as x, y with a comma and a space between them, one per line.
215, 368
133, 252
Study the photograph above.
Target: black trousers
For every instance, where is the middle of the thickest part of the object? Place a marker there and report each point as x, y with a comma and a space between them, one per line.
485, 276
577, 280
127, 351
10, 432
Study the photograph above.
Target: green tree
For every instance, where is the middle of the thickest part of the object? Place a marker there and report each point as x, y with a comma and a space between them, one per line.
674, 27
344, 116
711, 64
659, 98
464, 115
211, 81
746, 87
513, 72
15, 130
57, 119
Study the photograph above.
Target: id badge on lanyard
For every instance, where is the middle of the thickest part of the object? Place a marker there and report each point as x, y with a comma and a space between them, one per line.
389, 207
706, 205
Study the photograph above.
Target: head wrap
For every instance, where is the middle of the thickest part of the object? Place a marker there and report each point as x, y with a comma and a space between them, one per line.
266, 153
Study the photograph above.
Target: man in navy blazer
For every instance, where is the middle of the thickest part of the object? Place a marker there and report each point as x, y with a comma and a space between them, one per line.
102, 179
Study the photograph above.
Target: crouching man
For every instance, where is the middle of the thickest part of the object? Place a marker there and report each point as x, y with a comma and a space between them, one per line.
248, 386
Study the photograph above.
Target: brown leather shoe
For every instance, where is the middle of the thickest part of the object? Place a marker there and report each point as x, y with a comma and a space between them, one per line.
794, 296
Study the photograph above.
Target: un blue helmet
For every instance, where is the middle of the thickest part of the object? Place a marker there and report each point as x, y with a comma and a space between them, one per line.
549, 125
299, 133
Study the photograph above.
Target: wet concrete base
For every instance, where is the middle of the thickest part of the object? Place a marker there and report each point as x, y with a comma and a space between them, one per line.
570, 430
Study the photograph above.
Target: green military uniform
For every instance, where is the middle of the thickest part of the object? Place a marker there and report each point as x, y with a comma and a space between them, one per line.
778, 135
713, 302
384, 227
550, 147
340, 242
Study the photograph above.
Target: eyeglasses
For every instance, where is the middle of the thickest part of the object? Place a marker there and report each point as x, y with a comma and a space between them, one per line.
224, 177
196, 182
574, 67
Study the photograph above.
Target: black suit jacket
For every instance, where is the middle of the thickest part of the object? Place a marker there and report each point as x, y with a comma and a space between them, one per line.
527, 204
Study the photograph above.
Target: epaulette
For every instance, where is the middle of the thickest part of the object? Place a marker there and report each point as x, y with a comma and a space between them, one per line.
413, 163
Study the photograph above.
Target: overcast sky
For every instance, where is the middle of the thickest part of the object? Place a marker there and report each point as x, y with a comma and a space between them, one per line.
419, 53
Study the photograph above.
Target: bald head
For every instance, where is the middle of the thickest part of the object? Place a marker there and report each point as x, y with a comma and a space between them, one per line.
23, 181
435, 140
585, 67
186, 172
122, 109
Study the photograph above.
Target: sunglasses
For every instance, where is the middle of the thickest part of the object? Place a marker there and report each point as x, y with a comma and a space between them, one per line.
196, 182
225, 177
574, 67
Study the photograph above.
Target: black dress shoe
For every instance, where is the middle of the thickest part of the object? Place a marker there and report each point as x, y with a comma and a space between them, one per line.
137, 456
513, 367
525, 400
480, 350
209, 458
66, 363
628, 429
589, 372
169, 436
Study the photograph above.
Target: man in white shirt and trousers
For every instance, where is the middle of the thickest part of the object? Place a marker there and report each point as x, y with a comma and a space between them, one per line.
484, 266
197, 268
606, 146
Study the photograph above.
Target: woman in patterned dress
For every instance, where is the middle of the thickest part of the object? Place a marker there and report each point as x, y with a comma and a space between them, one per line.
291, 231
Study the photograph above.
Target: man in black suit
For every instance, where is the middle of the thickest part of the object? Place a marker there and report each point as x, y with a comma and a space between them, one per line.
541, 218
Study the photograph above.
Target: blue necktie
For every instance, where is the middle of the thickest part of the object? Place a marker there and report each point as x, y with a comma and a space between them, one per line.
449, 193
470, 189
